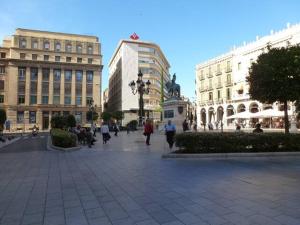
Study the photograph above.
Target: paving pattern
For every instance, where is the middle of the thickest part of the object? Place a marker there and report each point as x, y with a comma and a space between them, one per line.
126, 183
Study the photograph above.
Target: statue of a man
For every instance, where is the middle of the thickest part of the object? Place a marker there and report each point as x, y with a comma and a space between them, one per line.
174, 79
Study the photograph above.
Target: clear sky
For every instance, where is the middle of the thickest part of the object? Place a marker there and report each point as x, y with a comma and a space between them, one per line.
188, 31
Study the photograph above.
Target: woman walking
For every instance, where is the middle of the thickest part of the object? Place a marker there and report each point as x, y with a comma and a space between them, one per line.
105, 132
148, 130
170, 130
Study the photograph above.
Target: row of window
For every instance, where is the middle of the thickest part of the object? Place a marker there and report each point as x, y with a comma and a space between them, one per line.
56, 74
219, 95
56, 58
32, 116
57, 46
45, 100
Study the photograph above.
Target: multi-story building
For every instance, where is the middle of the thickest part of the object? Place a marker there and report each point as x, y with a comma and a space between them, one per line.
130, 57
221, 86
46, 73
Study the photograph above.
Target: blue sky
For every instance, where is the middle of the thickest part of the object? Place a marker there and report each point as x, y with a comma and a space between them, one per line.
188, 31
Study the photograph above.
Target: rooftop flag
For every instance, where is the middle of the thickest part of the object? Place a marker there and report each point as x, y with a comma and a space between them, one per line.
134, 36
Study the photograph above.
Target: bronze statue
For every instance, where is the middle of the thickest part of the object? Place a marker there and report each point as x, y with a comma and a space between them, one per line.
173, 88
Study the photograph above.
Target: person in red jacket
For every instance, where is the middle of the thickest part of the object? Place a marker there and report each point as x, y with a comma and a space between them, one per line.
148, 130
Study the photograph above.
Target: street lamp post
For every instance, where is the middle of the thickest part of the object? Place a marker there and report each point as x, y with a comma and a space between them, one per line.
92, 108
140, 87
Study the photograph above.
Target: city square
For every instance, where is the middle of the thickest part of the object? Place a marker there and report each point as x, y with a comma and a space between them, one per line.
149, 112
129, 183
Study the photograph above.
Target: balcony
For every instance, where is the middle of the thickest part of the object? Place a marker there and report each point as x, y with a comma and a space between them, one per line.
218, 73
228, 69
219, 100
210, 75
210, 87
229, 83
210, 102
202, 89
219, 85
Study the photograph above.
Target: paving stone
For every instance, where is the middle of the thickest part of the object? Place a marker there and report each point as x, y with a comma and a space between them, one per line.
126, 182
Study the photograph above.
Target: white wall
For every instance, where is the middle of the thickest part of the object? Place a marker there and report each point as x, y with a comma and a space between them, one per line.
129, 72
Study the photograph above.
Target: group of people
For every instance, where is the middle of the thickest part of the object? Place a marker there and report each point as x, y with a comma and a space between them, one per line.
257, 128
170, 130
85, 135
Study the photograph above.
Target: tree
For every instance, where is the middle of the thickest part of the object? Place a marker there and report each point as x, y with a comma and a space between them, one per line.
70, 121
58, 122
2, 118
89, 115
106, 116
118, 115
276, 77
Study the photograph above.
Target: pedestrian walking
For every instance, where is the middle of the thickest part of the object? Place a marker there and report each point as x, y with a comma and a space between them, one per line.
185, 126
170, 131
89, 137
148, 130
94, 129
116, 129
105, 132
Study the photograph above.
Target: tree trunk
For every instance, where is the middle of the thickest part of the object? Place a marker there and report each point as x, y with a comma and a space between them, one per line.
286, 117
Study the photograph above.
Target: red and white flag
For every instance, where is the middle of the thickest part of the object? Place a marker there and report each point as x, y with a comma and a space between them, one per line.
134, 36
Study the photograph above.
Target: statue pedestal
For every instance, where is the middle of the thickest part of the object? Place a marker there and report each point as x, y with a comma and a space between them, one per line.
176, 111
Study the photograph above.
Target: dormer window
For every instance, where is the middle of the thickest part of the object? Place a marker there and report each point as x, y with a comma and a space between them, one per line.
57, 47
79, 49
90, 50
22, 43
46, 45
69, 48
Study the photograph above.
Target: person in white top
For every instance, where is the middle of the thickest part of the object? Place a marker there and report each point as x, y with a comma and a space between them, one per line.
170, 130
105, 132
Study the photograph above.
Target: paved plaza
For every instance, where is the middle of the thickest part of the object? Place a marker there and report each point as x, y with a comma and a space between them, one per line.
126, 182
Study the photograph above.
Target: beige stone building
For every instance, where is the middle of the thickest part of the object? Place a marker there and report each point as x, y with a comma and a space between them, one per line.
46, 73
221, 85
130, 57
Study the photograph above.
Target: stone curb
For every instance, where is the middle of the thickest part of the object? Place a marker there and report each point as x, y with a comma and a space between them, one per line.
50, 147
10, 142
227, 155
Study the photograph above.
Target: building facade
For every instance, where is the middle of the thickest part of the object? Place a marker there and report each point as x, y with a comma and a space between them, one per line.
221, 86
47, 73
130, 57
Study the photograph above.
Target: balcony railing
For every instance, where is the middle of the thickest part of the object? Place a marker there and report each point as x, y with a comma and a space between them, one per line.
210, 75
218, 73
228, 69
229, 83
219, 85
209, 88
219, 100
210, 102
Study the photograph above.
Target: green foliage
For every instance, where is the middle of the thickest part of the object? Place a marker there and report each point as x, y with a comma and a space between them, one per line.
62, 138
70, 121
89, 115
106, 116
63, 122
276, 77
118, 115
132, 124
58, 122
2, 118
236, 142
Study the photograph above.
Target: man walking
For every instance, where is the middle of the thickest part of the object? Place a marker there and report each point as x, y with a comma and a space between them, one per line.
170, 130
148, 130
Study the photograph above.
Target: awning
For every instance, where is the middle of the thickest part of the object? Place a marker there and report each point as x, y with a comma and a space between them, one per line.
242, 115
268, 113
